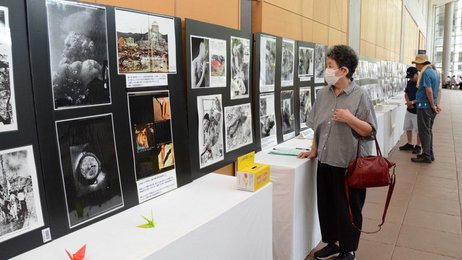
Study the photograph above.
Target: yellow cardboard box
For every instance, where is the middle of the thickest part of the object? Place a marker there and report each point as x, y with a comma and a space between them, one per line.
251, 176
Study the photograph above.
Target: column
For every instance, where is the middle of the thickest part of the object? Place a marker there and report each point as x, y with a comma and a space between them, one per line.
354, 24
448, 18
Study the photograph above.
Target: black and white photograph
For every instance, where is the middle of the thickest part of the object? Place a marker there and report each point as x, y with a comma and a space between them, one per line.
20, 207
240, 66
305, 106
8, 120
287, 114
305, 63
210, 129
145, 43
267, 121
200, 62
89, 167
287, 62
78, 54
267, 63
155, 164
316, 90
217, 62
319, 63
238, 126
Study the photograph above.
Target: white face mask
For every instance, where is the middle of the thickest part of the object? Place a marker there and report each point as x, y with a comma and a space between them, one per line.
330, 77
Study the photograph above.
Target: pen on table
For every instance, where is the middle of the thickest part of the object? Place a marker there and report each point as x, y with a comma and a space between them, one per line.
298, 148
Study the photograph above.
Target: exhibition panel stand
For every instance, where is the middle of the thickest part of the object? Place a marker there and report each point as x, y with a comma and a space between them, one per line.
296, 228
190, 224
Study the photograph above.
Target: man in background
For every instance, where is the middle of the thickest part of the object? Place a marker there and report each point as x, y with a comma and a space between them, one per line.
427, 100
410, 119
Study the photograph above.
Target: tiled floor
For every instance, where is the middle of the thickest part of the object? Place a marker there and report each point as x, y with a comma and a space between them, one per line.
424, 218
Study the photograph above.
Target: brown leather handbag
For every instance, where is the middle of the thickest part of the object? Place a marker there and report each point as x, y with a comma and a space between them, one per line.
369, 172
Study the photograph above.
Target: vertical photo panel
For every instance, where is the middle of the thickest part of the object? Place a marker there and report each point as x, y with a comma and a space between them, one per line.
152, 138
8, 120
20, 206
89, 167
268, 127
78, 54
240, 67
288, 114
210, 129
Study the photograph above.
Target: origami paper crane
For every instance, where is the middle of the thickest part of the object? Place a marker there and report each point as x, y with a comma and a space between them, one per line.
149, 224
79, 255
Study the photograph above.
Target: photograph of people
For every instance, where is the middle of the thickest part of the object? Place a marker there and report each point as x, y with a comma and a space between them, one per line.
240, 58
200, 73
210, 129
342, 115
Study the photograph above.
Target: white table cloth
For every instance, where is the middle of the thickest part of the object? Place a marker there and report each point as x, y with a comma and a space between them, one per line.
296, 228
206, 219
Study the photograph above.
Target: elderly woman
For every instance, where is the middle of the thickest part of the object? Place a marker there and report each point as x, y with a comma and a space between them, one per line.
342, 115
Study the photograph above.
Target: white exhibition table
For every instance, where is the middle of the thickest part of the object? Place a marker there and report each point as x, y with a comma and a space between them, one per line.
390, 122
206, 219
295, 216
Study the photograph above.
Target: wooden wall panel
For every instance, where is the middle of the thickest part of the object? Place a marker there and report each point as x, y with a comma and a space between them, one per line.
166, 7
362, 48
307, 8
320, 33
257, 18
307, 30
291, 5
281, 22
345, 12
335, 14
321, 11
224, 13
336, 37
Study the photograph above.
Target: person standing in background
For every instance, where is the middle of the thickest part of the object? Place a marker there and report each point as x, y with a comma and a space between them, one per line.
410, 119
427, 106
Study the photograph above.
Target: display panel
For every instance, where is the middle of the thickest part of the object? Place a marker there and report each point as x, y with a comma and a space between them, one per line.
268, 127
152, 138
305, 106
287, 114
8, 121
240, 67
210, 129
305, 63
320, 63
267, 63
89, 167
20, 206
208, 62
238, 126
145, 43
78, 54
287, 62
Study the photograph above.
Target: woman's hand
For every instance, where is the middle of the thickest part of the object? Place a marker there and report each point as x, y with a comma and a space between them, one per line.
308, 155
342, 115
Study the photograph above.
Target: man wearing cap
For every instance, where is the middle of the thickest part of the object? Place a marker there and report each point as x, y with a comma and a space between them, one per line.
410, 119
426, 101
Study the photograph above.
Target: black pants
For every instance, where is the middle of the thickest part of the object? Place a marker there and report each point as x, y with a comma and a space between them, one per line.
333, 210
425, 120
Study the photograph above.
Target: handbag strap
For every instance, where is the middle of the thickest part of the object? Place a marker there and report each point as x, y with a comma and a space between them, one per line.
377, 147
391, 187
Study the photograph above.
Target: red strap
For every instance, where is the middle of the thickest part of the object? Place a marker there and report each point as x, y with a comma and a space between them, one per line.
387, 203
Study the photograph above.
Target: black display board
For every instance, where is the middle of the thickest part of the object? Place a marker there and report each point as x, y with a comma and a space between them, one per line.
54, 125
278, 89
205, 30
25, 135
302, 81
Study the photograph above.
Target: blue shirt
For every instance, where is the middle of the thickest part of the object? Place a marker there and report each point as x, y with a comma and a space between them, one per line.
429, 79
411, 91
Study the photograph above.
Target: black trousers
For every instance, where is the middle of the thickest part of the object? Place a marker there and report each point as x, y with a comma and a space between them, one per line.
425, 120
333, 210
